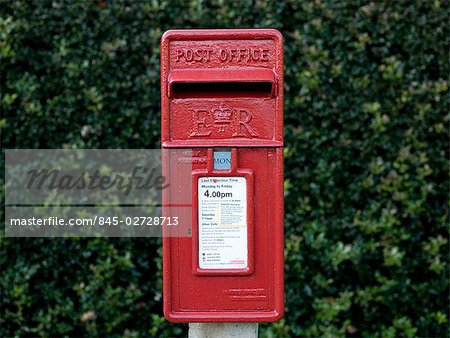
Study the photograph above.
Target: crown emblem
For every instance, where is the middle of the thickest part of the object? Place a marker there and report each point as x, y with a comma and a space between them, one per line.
222, 116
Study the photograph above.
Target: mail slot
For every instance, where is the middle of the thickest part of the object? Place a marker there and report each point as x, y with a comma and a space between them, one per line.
222, 143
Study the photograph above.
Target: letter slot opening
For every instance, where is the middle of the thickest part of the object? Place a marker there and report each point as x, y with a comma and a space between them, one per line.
222, 89
221, 83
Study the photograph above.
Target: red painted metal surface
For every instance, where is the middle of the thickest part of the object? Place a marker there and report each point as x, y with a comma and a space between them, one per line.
223, 90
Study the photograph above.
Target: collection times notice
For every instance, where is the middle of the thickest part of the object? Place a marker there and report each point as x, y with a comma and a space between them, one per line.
222, 226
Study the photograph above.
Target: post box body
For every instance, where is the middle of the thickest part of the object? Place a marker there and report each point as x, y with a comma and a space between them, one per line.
222, 142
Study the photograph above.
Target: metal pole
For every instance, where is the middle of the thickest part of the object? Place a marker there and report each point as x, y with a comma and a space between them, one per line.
223, 330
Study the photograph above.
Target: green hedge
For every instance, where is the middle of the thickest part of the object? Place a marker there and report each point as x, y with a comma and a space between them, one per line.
366, 129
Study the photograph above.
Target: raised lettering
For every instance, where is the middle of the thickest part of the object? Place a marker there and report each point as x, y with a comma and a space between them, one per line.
200, 120
244, 122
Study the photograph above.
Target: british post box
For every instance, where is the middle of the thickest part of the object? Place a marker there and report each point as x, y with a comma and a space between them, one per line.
222, 143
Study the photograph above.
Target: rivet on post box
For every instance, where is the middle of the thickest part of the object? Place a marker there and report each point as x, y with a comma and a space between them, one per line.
222, 108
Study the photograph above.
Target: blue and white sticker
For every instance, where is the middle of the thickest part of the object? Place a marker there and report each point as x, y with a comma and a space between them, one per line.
222, 160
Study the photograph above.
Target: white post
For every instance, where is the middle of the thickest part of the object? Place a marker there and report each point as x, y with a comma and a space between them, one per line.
223, 330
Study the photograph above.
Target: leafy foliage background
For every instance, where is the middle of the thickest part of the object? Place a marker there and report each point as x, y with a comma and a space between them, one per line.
366, 127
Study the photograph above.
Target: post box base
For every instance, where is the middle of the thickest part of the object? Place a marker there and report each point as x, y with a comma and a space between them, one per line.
223, 330
223, 317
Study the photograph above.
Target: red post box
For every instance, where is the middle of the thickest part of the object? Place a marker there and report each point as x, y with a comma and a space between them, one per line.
222, 118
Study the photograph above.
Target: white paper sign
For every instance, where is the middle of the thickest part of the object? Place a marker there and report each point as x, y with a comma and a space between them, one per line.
222, 225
